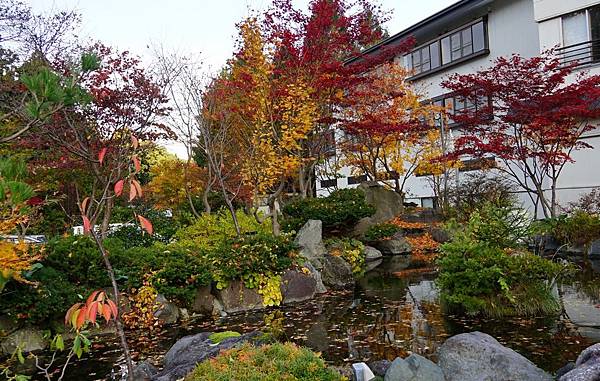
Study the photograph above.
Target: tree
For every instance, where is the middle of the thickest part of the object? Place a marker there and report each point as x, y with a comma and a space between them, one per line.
174, 182
540, 111
384, 121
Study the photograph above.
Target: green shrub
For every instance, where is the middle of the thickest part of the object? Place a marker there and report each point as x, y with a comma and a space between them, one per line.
343, 207
271, 362
44, 303
210, 230
381, 231
352, 250
479, 278
579, 228
164, 227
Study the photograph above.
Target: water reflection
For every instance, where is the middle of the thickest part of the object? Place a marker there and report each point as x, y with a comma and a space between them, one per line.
385, 317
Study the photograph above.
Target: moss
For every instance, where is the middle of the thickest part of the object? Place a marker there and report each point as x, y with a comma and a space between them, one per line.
220, 336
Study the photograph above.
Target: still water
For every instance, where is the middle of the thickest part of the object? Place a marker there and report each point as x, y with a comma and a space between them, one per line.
383, 317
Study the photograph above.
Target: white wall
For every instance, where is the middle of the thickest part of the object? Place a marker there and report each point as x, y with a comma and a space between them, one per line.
546, 9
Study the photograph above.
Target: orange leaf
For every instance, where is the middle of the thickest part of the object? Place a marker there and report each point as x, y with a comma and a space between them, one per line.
92, 312
138, 187
136, 163
101, 155
92, 297
70, 311
106, 313
86, 224
82, 317
119, 187
146, 225
134, 142
113, 307
132, 192
84, 204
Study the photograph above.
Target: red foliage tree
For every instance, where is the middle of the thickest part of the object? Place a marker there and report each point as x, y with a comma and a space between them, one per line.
540, 109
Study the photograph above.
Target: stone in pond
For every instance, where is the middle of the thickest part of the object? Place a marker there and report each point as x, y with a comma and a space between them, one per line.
337, 273
476, 356
236, 297
297, 286
413, 368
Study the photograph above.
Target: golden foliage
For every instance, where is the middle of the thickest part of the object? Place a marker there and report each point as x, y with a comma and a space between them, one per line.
168, 185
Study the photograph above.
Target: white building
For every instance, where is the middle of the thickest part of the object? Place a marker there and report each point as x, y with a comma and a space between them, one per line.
466, 37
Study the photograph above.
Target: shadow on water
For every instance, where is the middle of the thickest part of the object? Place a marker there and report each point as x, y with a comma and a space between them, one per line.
384, 317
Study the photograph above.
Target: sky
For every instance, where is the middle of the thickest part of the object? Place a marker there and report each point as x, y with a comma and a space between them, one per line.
205, 28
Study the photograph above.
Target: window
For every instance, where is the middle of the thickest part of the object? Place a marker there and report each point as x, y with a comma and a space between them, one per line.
456, 105
447, 49
357, 179
581, 36
329, 183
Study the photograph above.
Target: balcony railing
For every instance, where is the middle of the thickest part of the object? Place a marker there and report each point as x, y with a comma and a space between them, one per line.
583, 53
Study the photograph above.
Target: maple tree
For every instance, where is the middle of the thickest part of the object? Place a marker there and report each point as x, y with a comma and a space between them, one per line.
540, 108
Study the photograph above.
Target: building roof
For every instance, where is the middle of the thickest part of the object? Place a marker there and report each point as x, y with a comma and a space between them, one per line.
462, 7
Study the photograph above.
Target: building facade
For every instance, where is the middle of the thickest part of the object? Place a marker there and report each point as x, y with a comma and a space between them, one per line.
468, 36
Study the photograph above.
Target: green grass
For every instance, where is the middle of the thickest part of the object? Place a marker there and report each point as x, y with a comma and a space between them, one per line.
272, 362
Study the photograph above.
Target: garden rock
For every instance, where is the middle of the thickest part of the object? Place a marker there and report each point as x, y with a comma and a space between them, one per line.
372, 254
167, 312
477, 356
203, 302
183, 356
587, 366
380, 367
297, 286
397, 245
438, 234
144, 371
316, 274
336, 273
565, 369
413, 368
236, 297
362, 372
388, 204
310, 241
28, 339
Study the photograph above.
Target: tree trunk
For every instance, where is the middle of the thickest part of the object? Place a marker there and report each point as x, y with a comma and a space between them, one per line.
205, 193
106, 217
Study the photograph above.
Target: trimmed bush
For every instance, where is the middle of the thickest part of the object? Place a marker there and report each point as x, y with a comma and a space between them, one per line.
342, 208
272, 362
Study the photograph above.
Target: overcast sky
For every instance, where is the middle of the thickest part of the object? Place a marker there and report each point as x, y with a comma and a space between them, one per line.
196, 26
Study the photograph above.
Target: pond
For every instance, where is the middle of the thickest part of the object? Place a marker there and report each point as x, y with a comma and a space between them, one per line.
383, 317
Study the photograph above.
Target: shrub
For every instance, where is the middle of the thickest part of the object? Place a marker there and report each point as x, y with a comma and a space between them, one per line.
343, 207
210, 230
164, 227
580, 228
352, 250
271, 362
381, 231
480, 278
589, 203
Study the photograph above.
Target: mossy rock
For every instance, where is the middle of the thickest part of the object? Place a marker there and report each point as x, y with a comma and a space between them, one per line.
220, 336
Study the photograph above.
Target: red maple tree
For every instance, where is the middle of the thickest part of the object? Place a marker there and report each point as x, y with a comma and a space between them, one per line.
530, 113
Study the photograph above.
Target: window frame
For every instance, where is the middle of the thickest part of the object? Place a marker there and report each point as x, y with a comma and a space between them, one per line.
594, 48
440, 53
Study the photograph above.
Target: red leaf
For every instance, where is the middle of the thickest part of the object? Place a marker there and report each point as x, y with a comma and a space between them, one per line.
86, 224
81, 318
92, 297
84, 204
136, 163
138, 187
134, 142
101, 155
132, 192
146, 225
92, 312
119, 187
106, 313
113, 307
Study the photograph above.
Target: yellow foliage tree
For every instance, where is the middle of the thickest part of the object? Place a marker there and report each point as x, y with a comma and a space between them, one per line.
169, 182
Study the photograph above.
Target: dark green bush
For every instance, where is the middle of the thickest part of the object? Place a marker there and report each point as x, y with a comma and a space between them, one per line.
381, 231
579, 228
41, 304
342, 208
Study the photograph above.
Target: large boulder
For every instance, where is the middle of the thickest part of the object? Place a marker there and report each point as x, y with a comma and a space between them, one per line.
336, 272
204, 301
144, 371
316, 274
183, 356
397, 245
373, 258
413, 368
28, 339
297, 286
310, 241
236, 297
476, 356
587, 366
166, 312
388, 204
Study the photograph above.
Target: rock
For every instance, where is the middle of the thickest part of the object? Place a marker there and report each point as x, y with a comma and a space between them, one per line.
413, 368
183, 356
372, 254
362, 372
310, 241
565, 369
397, 245
587, 366
388, 203
167, 312
372, 265
236, 297
28, 339
380, 367
203, 302
297, 286
218, 308
438, 234
316, 274
397, 263
337, 273
144, 371
477, 356
362, 226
